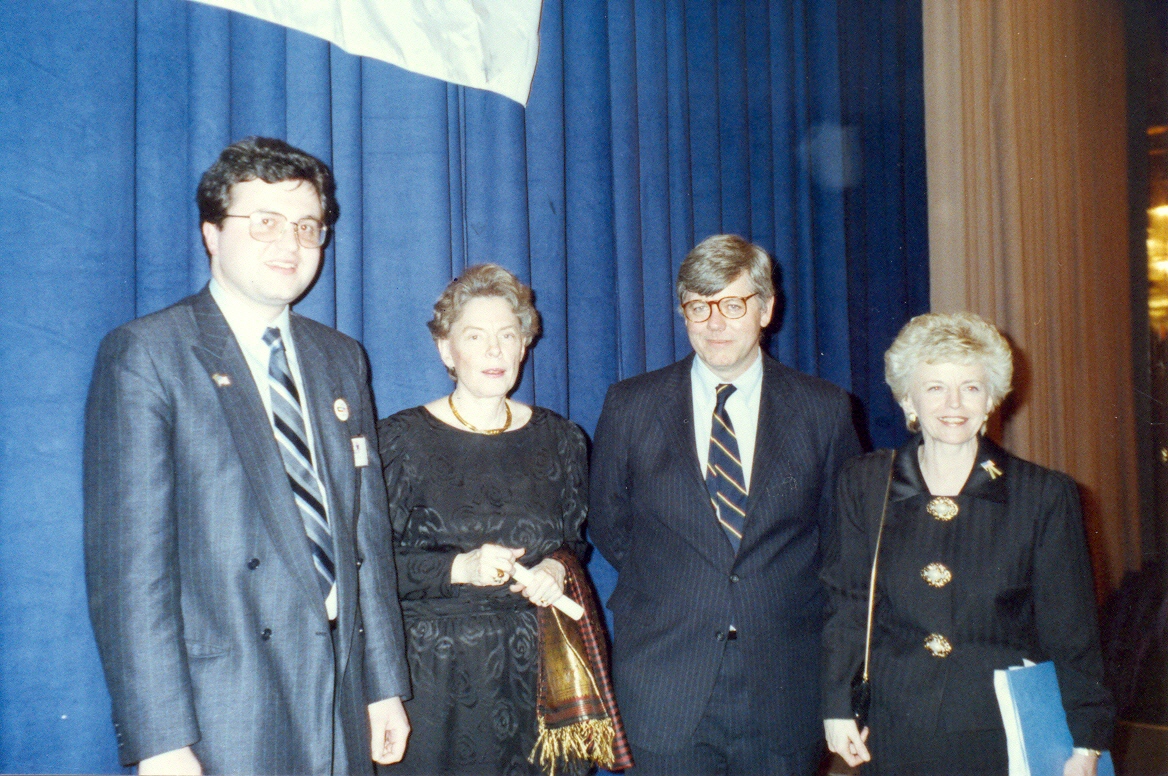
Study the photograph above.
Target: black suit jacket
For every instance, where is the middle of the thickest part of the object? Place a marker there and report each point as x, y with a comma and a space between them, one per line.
1020, 587
680, 585
208, 616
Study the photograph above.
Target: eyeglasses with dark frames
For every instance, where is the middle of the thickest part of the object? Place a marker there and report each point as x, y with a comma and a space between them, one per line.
270, 227
700, 310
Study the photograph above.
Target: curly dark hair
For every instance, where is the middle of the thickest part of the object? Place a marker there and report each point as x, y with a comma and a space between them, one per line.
271, 161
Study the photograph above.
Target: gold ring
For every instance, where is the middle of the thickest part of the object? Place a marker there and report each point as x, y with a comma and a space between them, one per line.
499, 575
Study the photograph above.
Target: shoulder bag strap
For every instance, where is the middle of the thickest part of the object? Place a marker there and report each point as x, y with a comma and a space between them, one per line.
875, 558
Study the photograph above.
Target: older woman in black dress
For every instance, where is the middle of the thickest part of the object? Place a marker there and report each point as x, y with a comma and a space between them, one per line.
477, 483
982, 563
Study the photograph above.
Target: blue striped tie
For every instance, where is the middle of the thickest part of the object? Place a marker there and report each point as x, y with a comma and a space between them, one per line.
724, 477
290, 438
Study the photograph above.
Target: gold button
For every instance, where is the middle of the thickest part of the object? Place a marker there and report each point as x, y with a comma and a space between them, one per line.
943, 508
938, 645
936, 574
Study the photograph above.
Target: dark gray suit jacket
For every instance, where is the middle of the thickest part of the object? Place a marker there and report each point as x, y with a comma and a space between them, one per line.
209, 620
680, 584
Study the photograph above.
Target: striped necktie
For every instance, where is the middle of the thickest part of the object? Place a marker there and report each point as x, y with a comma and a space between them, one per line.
290, 436
724, 477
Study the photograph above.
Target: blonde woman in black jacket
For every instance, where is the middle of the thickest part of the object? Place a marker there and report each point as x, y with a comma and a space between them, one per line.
982, 563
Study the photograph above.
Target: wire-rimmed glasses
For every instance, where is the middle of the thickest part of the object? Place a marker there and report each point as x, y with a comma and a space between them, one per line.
269, 227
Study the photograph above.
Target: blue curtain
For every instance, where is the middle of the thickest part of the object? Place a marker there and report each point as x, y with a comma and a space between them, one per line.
652, 124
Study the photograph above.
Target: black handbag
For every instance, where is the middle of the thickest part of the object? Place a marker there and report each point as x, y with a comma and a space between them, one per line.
861, 684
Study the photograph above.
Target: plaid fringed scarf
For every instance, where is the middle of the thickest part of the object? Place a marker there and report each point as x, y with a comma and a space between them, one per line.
576, 707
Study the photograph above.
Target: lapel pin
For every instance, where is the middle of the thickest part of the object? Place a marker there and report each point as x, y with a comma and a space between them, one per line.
992, 469
221, 380
341, 408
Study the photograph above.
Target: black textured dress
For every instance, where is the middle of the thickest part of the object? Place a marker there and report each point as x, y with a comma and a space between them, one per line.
472, 650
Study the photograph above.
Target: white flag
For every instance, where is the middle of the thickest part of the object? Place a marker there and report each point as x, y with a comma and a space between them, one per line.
487, 44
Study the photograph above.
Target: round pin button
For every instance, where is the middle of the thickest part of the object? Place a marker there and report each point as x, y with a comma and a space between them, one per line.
341, 408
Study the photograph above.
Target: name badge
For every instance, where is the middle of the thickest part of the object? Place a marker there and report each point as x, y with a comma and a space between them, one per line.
360, 452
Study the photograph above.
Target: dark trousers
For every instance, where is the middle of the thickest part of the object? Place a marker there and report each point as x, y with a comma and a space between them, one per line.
727, 741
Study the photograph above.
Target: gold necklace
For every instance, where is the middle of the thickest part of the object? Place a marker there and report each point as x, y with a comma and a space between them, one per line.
489, 431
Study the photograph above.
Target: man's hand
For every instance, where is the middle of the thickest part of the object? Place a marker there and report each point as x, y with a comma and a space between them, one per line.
390, 728
176, 762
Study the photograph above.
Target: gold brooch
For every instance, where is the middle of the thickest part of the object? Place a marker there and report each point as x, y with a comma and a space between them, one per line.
936, 574
992, 469
938, 645
943, 508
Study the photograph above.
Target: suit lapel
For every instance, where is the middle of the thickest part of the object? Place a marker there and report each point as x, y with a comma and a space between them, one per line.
251, 430
334, 458
770, 444
676, 413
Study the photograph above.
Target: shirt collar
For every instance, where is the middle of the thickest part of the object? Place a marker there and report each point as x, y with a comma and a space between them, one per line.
987, 479
746, 383
244, 322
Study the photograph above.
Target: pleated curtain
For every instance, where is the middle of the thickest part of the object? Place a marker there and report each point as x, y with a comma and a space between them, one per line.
651, 124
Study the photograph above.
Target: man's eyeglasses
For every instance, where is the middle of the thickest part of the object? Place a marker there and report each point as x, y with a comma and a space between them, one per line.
269, 227
699, 310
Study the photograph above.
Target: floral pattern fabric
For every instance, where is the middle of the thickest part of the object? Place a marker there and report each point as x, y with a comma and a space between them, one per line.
472, 651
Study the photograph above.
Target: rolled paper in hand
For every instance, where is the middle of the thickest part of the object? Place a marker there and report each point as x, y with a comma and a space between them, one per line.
523, 576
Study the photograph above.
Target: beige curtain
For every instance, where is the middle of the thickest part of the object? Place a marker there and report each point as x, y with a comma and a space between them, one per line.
1028, 217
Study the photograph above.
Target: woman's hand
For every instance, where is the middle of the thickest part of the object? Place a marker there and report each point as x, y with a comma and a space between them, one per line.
488, 566
547, 583
846, 740
1081, 765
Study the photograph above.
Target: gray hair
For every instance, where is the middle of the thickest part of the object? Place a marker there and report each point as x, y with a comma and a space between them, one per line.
484, 280
954, 338
717, 261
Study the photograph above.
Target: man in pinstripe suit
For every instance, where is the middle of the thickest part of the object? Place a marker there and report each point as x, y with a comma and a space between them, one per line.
238, 559
712, 488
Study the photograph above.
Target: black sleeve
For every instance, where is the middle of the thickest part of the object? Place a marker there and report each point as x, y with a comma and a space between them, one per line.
421, 573
1064, 611
610, 512
573, 451
847, 567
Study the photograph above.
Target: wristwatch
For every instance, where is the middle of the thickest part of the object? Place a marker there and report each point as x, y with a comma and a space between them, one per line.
1088, 752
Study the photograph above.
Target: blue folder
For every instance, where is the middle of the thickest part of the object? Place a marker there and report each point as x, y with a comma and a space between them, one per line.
1038, 719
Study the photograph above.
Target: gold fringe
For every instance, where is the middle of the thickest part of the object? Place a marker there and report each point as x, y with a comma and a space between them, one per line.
589, 739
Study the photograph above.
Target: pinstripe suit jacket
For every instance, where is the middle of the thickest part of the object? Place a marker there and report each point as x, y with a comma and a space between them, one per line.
209, 620
680, 585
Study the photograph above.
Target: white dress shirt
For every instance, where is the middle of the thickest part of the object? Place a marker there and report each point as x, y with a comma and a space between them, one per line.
742, 407
249, 330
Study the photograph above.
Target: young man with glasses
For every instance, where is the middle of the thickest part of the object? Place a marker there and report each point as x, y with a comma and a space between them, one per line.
238, 562
712, 489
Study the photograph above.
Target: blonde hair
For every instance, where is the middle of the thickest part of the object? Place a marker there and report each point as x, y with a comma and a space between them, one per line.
955, 338
484, 280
